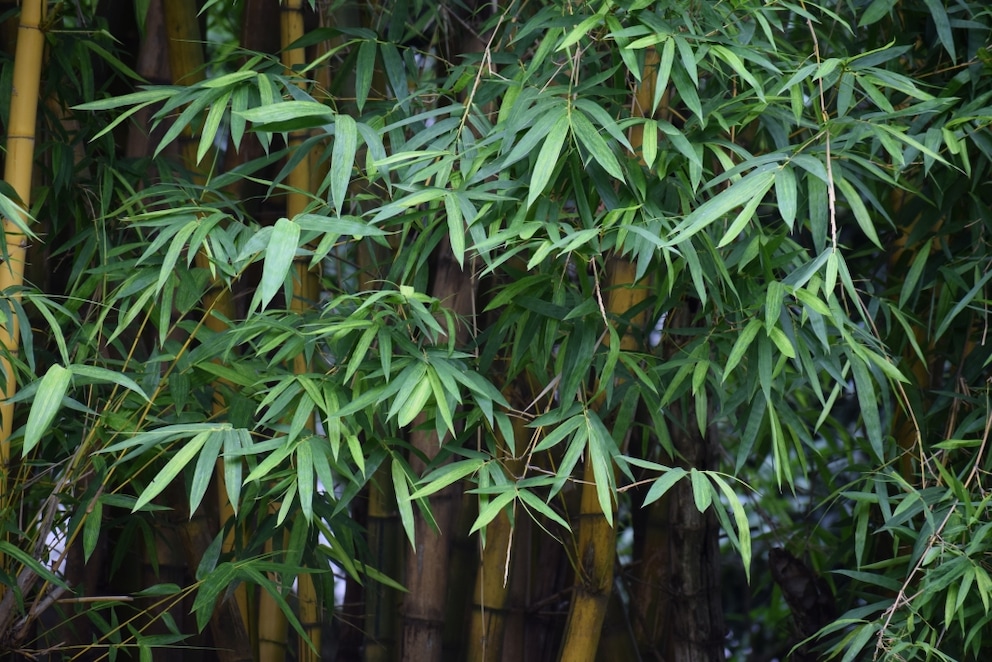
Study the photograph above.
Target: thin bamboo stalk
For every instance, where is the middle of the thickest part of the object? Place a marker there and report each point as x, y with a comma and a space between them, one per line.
17, 173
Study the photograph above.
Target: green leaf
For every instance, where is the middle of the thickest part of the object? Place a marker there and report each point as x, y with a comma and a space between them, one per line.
342, 159
304, 478
413, 403
547, 158
289, 115
403, 503
786, 194
745, 190
446, 475
363, 73
47, 402
869, 406
97, 374
279, 255
31, 563
177, 463
740, 519
205, 466
172, 255
580, 31
664, 483
91, 529
456, 227
591, 139
702, 491
235, 441
943, 24
875, 12
489, 511
745, 215
741, 345
857, 206
962, 303
533, 501
210, 126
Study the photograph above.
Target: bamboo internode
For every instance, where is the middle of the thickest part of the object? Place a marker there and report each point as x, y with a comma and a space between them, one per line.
17, 173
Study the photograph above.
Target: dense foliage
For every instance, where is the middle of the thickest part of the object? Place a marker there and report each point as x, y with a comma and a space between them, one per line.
759, 228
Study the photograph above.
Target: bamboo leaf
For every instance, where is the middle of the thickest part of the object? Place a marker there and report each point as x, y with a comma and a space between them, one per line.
740, 519
535, 502
547, 158
943, 24
235, 442
786, 194
288, 115
363, 73
741, 345
304, 478
456, 227
590, 138
702, 491
31, 563
875, 12
869, 406
403, 503
580, 31
97, 374
745, 215
205, 467
210, 126
176, 464
664, 483
278, 263
413, 403
741, 192
91, 529
47, 402
857, 206
342, 159
172, 255
447, 475
489, 511
962, 303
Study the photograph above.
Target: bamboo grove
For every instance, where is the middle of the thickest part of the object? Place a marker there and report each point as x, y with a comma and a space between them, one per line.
508, 330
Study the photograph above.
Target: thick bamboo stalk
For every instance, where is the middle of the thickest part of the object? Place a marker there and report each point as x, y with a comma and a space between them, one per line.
305, 291
492, 587
381, 606
382, 602
17, 173
427, 565
596, 550
595, 555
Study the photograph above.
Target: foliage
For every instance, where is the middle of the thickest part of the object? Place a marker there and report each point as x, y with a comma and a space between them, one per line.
819, 208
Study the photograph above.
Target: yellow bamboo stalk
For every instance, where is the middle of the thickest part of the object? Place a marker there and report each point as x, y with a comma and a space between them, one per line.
272, 624
492, 589
595, 552
17, 173
426, 575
